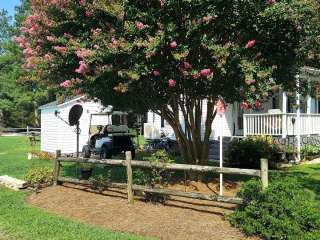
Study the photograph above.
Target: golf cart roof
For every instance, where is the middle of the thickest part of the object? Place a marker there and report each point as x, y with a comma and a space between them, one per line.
110, 113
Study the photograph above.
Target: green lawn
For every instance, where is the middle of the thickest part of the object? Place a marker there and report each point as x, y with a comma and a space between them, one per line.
19, 220
13, 156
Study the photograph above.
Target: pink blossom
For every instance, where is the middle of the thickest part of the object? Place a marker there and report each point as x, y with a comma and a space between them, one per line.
48, 57
173, 45
156, 73
84, 53
96, 46
244, 105
82, 2
162, 3
68, 35
29, 62
28, 52
187, 65
250, 44
205, 72
114, 41
66, 84
196, 75
82, 69
89, 13
271, 2
24, 29
96, 31
140, 25
258, 104
50, 38
221, 107
171, 83
60, 49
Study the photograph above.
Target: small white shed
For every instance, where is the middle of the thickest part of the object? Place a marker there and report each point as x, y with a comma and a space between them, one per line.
58, 135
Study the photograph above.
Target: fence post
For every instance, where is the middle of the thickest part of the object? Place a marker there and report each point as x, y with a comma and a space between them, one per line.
264, 172
56, 168
129, 177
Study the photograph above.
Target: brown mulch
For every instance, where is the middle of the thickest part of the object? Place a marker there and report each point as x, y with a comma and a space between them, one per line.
178, 219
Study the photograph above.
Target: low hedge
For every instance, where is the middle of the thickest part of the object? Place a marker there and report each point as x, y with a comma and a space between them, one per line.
284, 211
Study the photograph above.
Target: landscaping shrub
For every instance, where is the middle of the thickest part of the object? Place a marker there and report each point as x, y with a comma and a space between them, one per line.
39, 177
310, 150
43, 155
247, 153
157, 177
100, 182
283, 212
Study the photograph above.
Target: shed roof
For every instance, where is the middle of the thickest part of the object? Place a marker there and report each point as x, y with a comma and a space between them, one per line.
57, 104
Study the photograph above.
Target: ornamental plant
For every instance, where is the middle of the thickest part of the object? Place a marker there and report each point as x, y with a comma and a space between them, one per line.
171, 56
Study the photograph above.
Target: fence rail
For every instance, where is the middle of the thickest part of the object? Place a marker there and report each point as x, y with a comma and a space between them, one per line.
129, 163
27, 130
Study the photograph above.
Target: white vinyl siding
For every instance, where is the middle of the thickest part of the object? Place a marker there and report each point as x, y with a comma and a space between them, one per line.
58, 135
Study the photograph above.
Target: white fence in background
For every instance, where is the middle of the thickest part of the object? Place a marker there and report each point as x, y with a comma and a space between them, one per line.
281, 124
26, 131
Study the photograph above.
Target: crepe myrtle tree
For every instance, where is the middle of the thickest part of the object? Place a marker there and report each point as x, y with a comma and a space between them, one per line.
171, 56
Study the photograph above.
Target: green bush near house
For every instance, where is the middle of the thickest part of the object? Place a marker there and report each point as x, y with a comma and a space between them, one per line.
284, 211
247, 153
310, 150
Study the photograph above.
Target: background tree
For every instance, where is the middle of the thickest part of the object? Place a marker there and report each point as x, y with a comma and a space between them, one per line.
19, 97
172, 56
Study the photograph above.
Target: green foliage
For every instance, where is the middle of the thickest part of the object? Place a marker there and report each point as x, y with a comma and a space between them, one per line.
284, 211
159, 175
139, 177
246, 153
100, 182
86, 166
19, 99
40, 176
310, 150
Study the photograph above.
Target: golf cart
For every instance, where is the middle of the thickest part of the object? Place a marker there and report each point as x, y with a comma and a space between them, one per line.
111, 139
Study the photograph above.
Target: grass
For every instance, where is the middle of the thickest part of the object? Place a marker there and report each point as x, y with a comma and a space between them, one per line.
13, 156
18, 220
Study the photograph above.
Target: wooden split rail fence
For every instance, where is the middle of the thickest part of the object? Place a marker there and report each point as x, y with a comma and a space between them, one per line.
129, 163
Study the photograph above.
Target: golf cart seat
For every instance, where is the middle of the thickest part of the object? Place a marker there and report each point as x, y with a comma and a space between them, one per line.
114, 130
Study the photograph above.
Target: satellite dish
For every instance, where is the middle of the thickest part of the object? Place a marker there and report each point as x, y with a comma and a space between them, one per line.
75, 114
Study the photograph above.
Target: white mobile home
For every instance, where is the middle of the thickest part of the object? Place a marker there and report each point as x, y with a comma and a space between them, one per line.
56, 134
278, 117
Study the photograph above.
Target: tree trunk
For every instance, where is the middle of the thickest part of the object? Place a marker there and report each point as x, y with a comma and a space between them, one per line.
193, 145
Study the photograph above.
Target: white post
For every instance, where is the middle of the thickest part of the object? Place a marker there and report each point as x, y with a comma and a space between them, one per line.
284, 114
309, 124
245, 125
298, 124
221, 157
27, 130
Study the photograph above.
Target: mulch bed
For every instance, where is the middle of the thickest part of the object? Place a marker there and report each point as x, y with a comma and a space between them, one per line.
178, 219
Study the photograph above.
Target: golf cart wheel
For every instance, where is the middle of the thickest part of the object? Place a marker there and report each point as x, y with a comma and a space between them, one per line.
105, 153
86, 152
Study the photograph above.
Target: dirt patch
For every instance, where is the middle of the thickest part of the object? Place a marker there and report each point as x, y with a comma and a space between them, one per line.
179, 219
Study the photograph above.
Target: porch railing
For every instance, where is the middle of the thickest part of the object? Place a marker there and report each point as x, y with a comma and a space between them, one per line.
281, 124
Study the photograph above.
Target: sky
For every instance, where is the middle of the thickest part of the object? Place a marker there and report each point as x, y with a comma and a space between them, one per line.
9, 5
